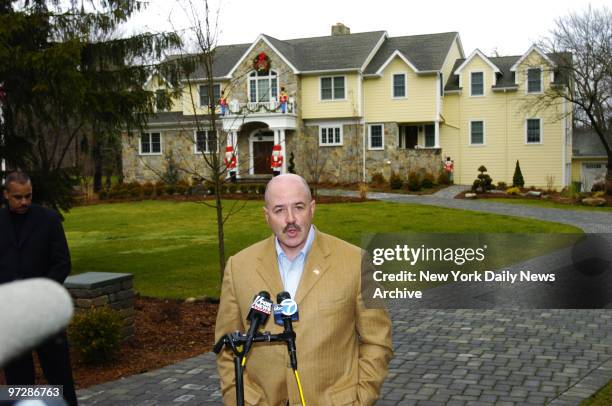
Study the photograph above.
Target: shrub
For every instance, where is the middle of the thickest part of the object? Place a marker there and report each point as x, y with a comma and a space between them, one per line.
413, 182
261, 189
378, 178
291, 166
96, 334
600, 194
395, 181
483, 181
232, 189
514, 191
428, 181
517, 179
244, 188
169, 189
444, 178
502, 186
181, 187
148, 189
103, 195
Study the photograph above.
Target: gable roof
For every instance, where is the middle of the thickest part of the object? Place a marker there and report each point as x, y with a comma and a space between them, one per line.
531, 49
477, 52
425, 52
505, 77
224, 60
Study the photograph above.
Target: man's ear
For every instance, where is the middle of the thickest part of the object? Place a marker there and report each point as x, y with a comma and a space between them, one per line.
312, 207
266, 215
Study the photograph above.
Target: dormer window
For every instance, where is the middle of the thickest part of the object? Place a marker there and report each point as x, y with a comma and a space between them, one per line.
263, 87
534, 80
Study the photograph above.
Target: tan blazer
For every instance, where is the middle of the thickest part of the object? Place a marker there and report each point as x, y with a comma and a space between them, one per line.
343, 349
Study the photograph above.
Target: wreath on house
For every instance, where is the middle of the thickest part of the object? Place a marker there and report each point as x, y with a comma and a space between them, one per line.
261, 63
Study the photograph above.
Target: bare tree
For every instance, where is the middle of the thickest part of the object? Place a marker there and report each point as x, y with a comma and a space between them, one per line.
581, 45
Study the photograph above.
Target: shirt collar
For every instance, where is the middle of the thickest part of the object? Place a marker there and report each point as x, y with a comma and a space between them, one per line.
305, 249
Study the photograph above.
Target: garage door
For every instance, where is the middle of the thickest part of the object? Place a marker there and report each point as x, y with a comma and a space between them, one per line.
590, 172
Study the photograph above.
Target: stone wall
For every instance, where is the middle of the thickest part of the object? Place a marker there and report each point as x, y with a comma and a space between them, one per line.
177, 147
98, 289
344, 164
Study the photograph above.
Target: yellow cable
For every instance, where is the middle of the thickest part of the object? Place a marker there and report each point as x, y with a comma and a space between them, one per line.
297, 378
243, 361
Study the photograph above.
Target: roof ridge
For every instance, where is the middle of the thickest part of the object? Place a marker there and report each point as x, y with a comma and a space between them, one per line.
337, 36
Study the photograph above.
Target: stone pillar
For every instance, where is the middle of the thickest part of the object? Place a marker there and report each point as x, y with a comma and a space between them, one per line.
97, 289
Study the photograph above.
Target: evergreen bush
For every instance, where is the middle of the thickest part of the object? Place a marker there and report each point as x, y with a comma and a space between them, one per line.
95, 334
517, 179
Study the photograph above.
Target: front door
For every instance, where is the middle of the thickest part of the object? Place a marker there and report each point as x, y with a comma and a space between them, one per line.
262, 153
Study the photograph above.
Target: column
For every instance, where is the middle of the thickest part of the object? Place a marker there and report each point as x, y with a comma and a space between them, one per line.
234, 140
437, 134
276, 137
283, 150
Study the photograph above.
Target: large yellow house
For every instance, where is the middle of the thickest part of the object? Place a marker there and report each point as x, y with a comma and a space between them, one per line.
364, 103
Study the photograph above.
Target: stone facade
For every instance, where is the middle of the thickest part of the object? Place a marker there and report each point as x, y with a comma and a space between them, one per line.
98, 289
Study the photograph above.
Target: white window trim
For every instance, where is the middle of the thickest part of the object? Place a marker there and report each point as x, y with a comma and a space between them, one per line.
541, 131
405, 96
382, 147
541, 80
484, 133
161, 144
249, 78
195, 143
331, 144
333, 99
200, 96
484, 83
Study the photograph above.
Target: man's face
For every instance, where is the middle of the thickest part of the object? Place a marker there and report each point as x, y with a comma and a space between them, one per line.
289, 212
19, 196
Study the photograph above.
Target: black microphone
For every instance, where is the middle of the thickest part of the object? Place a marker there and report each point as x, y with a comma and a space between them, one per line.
289, 308
258, 315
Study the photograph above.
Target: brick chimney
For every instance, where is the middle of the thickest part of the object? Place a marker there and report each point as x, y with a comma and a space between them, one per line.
340, 29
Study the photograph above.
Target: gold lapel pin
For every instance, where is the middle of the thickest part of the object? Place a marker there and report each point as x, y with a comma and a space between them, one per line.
315, 271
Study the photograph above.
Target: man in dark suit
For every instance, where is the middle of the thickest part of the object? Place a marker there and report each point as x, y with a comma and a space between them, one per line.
33, 244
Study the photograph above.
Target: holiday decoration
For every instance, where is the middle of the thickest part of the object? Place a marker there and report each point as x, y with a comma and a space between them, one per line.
261, 63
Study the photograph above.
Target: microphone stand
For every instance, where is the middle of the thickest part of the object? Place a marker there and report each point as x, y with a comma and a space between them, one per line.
235, 342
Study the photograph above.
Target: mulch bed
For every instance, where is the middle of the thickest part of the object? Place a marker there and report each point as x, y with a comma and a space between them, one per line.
552, 197
166, 331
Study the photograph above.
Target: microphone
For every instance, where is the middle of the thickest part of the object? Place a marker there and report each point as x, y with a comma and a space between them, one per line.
258, 315
289, 308
32, 311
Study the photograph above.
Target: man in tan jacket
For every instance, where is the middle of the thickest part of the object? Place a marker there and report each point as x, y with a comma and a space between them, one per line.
343, 348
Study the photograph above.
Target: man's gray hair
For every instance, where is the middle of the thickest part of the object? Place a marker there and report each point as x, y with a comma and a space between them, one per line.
302, 180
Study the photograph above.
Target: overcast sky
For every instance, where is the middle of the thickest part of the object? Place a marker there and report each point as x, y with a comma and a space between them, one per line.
508, 27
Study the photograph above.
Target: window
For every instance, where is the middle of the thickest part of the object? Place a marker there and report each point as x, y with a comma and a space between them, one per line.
204, 95
150, 144
534, 80
476, 132
477, 84
329, 136
399, 85
375, 139
332, 88
205, 141
430, 136
534, 131
263, 87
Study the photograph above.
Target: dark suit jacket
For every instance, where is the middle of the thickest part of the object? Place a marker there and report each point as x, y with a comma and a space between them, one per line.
41, 251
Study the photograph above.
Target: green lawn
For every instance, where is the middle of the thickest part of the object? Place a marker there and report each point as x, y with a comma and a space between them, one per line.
171, 247
553, 205
603, 397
